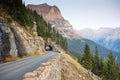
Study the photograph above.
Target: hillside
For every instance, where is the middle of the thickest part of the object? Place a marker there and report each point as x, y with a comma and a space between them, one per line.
72, 70
76, 48
107, 37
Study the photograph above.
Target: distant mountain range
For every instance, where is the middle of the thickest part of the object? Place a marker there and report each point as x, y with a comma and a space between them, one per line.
76, 48
107, 37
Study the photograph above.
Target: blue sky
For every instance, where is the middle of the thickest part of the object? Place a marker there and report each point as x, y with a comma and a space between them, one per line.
87, 13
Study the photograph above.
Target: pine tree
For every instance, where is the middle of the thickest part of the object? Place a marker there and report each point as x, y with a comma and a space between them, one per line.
96, 65
113, 69
87, 58
104, 73
79, 59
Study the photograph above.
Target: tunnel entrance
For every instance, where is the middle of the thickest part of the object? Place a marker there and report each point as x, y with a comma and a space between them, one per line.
48, 48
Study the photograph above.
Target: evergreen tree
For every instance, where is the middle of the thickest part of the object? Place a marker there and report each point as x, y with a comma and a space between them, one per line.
96, 62
113, 69
100, 66
104, 74
107, 69
87, 58
79, 59
110, 69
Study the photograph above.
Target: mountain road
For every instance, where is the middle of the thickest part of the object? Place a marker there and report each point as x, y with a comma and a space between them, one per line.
16, 69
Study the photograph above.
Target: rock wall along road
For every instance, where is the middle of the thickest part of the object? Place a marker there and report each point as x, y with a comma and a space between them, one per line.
50, 70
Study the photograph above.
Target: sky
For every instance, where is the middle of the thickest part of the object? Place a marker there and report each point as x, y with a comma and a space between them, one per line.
87, 13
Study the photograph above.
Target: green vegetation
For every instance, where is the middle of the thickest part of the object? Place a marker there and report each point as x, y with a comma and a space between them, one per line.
87, 58
17, 10
78, 45
97, 63
111, 68
45, 30
107, 69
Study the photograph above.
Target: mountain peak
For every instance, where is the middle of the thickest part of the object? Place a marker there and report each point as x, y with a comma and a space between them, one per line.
53, 15
44, 4
48, 12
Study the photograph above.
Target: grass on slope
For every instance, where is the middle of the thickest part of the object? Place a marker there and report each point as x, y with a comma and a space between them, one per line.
10, 58
72, 70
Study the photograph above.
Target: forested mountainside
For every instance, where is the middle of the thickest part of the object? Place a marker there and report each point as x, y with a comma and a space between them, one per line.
76, 47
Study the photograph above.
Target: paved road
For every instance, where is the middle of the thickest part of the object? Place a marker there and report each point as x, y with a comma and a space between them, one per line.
16, 69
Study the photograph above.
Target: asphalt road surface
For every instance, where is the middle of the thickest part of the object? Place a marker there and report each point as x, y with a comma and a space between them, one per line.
16, 69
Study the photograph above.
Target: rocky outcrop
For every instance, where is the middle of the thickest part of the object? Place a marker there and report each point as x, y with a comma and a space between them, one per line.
27, 43
47, 71
13, 47
16, 41
52, 15
48, 12
4, 43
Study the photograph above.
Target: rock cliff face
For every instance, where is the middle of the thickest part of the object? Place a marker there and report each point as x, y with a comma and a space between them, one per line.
52, 15
27, 43
13, 47
49, 13
4, 42
16, 41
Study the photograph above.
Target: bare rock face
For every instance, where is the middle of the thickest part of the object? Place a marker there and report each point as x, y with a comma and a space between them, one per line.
13, 48
52, 15
26, 43
7, 43
48, 12
16, 41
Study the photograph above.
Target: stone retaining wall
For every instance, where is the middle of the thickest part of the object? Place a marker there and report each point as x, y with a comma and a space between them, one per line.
50, 70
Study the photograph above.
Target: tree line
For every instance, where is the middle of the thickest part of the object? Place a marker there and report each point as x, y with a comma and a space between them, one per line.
24, 16
107, 68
